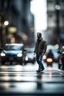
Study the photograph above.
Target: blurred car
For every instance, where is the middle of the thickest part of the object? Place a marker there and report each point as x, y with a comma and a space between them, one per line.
30, 57
54, 51
12, 53
61, 58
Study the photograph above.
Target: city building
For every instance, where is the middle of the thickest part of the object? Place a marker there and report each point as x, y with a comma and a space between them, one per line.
55, 21
21, 22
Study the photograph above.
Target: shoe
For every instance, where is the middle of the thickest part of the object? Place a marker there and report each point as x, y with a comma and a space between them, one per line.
37, 70
40, 70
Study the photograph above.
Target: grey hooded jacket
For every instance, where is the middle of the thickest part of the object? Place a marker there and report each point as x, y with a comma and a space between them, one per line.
40, 47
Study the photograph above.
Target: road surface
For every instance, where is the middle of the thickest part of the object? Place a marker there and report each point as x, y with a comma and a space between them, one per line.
17, 80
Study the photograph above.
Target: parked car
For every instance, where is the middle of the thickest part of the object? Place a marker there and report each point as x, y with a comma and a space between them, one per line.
12, 53
61, 58
30, 56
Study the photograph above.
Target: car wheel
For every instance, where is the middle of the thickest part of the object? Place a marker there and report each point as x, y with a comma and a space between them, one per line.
3, 62
33, 62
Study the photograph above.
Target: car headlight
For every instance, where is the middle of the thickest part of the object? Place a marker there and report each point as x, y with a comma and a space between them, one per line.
26, 58
49, 60
19, 55
2, 54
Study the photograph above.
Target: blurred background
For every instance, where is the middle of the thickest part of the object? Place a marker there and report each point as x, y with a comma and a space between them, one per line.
20, 20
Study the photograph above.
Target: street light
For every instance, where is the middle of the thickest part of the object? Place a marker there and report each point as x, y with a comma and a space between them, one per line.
4, 27
6, 23
57, 7
12, 29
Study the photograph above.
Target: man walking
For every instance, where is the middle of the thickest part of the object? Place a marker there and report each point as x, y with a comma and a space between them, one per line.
40, 49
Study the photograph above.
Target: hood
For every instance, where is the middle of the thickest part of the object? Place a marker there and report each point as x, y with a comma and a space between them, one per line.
30, 55
13, 52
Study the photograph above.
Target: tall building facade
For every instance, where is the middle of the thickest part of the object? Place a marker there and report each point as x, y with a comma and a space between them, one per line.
17, 12
55, 21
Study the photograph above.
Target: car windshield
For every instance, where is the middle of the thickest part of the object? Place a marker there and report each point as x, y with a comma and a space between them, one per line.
13, 47
30, 51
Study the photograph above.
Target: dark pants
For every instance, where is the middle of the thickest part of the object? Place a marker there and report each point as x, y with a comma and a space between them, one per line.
39, 61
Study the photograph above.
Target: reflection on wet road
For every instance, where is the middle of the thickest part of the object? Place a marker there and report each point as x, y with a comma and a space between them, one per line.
25, 80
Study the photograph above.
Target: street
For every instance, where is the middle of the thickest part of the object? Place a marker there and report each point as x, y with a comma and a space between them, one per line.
24, 80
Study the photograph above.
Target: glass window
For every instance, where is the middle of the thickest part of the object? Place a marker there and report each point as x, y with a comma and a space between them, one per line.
13, 47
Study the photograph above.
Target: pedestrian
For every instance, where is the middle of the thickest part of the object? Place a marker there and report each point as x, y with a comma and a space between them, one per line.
40, 49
